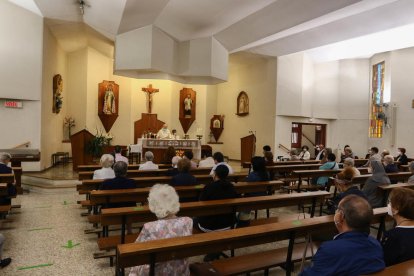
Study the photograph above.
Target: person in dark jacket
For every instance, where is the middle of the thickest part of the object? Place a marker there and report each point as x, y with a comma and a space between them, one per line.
398, 243
183, 178
5, 169
402, 157
219, 189
119, 182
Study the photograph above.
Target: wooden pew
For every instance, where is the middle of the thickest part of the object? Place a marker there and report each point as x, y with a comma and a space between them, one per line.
360, 162
126, 215
399, 177
147, 173
4, 179
303, 174
18, 179
86, 168
286, 163
405, 268
141, 182
152, 252
141, 194
386, 190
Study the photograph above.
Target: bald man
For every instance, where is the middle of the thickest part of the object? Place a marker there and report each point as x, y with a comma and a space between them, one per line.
352, 251
164, 133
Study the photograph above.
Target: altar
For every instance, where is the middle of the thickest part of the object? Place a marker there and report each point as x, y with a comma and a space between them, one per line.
159, 146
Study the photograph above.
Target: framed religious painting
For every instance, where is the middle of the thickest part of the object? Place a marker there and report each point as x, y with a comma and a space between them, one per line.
217, 126
108, 103
242, 104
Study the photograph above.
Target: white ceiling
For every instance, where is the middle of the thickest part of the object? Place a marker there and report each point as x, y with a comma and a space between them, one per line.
267, 27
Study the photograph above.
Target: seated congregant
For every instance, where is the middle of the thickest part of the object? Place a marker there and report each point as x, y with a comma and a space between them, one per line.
373, 155
163, 202
389, 165
411, 169
379, 177
208, 161
266, 148
268, 157
148, 165
184, 177
325, 158
221, 188
294, 155
188, 154
329, 165
347, 154
4, 163
119, 156
168, 155
304, 154
398, 243
384, 153
6, 261
353, 251
106, 172
119, 182
219, 160
174, 163
402, 158
345, 187
349, 162
321, 152
5, 169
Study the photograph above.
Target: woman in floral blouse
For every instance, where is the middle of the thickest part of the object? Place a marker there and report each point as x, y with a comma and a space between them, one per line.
163, 202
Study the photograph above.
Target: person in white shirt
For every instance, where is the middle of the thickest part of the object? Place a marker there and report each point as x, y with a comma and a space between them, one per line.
304, 154
119, 156
219, 160
164, 133
148, 165
107, 160
174, 135
208, 162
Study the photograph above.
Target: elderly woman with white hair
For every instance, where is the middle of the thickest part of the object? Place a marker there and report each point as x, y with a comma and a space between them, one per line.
107, 160
4, 162
389, 165
163, 202
148, 165
349, 162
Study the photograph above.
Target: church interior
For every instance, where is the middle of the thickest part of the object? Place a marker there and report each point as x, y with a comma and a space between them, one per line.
228, 76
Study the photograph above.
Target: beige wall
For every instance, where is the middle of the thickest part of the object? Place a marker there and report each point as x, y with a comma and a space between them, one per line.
54, 62
256, 76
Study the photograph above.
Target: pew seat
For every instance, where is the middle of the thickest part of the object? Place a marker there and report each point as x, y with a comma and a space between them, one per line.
107, 243
261, 260
5, 208
405, 268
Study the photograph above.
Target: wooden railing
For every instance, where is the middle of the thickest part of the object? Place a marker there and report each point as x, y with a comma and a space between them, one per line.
284, 148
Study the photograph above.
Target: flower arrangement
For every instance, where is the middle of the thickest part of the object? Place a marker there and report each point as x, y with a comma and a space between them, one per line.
179, 153
69, 122
101, 139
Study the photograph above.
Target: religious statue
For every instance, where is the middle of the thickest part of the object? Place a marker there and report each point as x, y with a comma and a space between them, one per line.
216, 123
109, 101
57, 93
242, 104
149, 90
187, 105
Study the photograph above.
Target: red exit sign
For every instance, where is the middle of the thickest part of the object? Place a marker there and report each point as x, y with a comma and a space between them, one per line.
13, 104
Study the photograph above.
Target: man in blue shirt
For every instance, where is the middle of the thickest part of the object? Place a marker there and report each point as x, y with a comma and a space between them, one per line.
352, 251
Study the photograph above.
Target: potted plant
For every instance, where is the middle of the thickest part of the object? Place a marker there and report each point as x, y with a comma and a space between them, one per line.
96, 145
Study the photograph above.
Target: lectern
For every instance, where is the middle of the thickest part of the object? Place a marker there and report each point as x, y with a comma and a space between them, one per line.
79, 142
248, 148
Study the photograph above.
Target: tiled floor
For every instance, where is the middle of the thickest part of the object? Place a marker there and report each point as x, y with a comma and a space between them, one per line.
47, 221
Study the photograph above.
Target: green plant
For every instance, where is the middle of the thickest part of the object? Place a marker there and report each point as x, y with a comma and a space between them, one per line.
95, 146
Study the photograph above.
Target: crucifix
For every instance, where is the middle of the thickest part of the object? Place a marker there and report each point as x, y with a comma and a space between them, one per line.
149, 90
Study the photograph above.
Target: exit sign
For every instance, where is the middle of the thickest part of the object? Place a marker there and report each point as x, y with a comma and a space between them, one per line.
13, 104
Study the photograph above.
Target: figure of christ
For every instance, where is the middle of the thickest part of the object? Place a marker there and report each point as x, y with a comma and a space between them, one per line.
149, 90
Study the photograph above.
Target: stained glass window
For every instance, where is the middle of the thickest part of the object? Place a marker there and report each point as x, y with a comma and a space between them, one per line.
376, 121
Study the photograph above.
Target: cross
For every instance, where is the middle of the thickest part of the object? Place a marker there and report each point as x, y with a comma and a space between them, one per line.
149, 90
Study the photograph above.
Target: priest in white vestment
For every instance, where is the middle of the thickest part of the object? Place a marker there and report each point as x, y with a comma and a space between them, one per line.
164, 133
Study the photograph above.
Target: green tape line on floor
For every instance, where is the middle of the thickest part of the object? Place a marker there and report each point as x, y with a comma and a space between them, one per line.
34, 266
39, 229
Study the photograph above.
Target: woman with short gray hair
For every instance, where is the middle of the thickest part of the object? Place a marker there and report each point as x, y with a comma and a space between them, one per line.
349, 162
163, 201
107, 160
